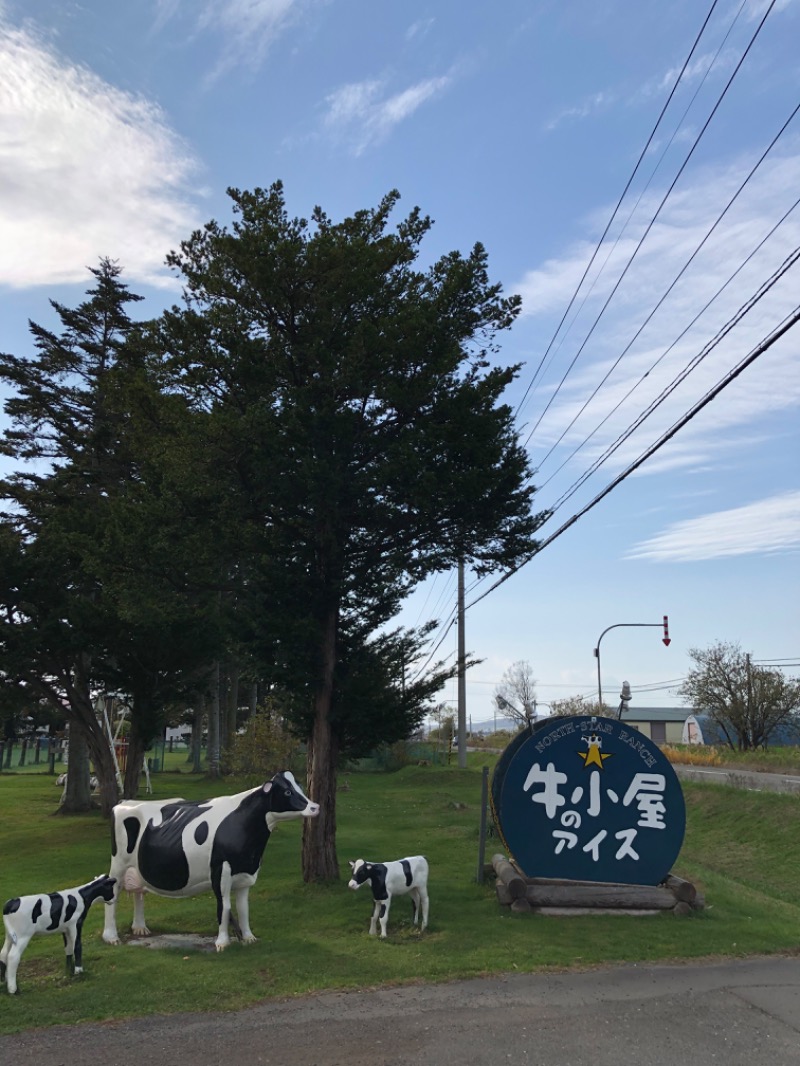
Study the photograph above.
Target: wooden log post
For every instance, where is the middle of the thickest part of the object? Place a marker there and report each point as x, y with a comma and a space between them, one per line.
682, 909
683, 891
506, 873
607, 897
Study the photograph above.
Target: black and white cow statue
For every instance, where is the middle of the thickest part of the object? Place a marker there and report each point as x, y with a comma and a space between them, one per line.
181, 848
398, 878
57, 912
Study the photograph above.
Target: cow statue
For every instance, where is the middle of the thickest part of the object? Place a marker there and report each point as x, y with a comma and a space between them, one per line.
59, 912
398, 878
181, 848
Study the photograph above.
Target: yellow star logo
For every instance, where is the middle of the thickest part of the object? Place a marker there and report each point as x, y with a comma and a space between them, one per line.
594, 757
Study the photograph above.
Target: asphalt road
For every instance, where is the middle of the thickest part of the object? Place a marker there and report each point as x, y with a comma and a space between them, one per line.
738, 1013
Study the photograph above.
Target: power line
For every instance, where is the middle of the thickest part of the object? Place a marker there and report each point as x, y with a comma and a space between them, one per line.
670, 347
766, 286
632, 211
619, 203
787, 324
652, 222
675, 281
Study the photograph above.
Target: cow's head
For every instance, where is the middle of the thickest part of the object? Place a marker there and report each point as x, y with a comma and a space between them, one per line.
102, 887
287, 799
361, 872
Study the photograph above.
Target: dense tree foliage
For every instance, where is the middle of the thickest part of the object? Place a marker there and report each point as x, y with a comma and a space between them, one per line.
64, 439
93, 587
747, 702
244, 491
351, 401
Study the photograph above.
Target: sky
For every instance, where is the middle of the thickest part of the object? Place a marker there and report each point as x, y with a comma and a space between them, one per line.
653, 254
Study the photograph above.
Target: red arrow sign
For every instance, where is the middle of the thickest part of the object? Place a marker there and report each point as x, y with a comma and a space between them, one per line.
666, 637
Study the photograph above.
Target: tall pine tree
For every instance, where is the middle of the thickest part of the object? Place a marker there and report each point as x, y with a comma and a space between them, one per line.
351, 399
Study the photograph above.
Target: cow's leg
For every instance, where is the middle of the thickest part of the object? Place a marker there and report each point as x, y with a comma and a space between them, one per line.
138, 926
12, 960
414, 893
69, 949
110, 934
3, 956
376, 910
384, 915
423, 895
222, 890
78, 946
242, 897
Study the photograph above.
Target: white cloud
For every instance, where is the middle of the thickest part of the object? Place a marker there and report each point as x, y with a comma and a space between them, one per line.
244, 30
589, 106
86, 170
420, 28
768, 526
248, 27
626, 354
364, 114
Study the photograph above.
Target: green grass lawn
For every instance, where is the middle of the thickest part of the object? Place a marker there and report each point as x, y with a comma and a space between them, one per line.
742, 849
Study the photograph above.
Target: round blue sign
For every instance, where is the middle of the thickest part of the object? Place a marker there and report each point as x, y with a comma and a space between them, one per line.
589, 799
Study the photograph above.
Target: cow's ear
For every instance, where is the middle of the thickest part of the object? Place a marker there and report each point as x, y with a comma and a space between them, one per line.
351, 864
267, 787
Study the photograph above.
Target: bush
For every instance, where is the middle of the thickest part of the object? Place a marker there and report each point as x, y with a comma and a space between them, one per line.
264, 747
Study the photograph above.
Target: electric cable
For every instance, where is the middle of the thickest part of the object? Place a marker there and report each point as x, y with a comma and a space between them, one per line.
787, 264
653, 220
632, 212
680, 337
788, 323
674, 282
621, 198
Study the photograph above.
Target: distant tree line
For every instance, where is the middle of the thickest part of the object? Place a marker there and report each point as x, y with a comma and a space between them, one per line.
229, 503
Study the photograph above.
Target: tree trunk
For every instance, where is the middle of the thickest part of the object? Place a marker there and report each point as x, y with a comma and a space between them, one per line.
133, 767
213, 725
233, 704
197, 735
319, 834
81, 712
78, 793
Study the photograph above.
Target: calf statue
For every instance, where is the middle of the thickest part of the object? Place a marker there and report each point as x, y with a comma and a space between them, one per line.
59, 912
398, 878
181, 848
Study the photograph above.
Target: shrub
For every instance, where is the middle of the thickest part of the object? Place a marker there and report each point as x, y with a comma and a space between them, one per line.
264, 747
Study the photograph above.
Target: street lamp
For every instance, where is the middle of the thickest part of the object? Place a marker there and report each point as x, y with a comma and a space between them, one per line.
665, 640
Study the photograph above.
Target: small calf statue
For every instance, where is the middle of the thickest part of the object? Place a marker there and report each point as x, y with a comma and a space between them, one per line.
59, 912
398, 878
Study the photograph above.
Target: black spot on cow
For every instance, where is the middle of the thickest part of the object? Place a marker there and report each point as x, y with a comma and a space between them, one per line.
132, 828
162, 860
72, 903
12, 906
201, 833
407, 871
56, 907
241, 837
36, 913
377, 878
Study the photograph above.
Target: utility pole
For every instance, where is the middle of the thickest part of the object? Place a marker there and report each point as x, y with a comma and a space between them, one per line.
462, 680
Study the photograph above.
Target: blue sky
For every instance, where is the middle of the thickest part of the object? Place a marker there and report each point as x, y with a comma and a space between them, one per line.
516, 124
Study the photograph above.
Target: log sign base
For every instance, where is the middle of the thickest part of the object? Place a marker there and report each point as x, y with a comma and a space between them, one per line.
588, 800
